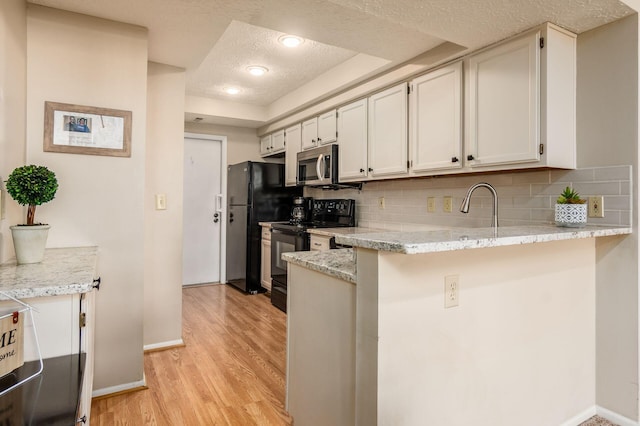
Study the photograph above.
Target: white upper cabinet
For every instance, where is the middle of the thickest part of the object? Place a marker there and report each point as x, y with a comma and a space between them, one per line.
327, 127
388, 132
277, 142
319, 130
521, 103
352, 141
293, 147
265, 145
310, 133
436, 121
272, 144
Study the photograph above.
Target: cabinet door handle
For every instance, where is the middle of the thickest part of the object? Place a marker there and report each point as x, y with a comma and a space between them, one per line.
317, 244
470, 157
370, 170
319, 140
361, 170
454, 159
313, 141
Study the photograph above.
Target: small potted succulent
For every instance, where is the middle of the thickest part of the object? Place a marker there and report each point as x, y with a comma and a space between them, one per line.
571, 210
31, 186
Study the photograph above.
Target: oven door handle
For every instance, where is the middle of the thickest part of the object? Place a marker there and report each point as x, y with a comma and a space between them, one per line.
319, 169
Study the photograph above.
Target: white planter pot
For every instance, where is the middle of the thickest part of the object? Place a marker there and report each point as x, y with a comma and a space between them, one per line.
571, 215
29, 242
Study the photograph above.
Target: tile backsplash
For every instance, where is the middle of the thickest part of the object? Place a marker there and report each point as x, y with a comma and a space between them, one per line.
525, 198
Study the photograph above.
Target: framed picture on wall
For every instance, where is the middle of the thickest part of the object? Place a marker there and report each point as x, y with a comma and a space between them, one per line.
78, 129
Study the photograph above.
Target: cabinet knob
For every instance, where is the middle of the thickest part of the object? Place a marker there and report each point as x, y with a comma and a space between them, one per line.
370, 170
470, 157
454, 159
361, 170
313, 141
319, 140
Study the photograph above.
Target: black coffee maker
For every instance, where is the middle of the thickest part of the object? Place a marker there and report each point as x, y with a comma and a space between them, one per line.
301, 210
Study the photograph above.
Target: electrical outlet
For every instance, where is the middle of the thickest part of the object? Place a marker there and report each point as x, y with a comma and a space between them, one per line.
448, 204
451, 284
596, 206
381, 203
431, 204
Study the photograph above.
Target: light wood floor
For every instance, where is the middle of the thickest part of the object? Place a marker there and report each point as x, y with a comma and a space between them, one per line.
231, 372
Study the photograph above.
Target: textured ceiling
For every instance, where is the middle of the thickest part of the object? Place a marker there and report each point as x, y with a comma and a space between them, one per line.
243, 45
215, 39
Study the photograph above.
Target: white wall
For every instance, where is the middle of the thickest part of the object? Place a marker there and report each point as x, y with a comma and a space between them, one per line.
243, 143
81, 60
163, 228
13, 99
518, 350
607, 133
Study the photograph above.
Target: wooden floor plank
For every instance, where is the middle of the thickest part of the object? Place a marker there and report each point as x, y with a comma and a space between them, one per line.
230, 372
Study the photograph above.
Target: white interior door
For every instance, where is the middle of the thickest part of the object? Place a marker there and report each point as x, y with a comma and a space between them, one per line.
203, 215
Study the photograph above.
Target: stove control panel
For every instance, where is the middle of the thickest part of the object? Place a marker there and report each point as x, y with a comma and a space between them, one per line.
340, 211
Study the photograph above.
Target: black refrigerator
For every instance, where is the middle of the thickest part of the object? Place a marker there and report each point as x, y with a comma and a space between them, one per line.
255, 193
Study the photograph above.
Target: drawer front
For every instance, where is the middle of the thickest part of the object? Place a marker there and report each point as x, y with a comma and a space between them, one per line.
266, 233
319, 243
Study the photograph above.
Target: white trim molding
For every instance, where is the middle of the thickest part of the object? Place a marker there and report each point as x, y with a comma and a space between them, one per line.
120, 388
162, 345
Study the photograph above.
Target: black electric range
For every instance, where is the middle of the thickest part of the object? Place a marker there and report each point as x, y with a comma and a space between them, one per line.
287, 237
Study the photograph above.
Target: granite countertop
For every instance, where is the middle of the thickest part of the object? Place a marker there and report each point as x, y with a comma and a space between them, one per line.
338, 263
470, 238
346, 230
63, 271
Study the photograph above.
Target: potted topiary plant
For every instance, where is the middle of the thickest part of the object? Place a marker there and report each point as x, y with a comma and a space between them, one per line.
571, 210
31, 186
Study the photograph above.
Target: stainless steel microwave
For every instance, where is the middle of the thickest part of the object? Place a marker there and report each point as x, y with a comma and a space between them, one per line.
318, 166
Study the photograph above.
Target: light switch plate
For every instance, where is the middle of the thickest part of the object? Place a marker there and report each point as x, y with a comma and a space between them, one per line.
161, 202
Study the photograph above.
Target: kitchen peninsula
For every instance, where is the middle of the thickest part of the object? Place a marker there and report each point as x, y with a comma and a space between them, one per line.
515, 346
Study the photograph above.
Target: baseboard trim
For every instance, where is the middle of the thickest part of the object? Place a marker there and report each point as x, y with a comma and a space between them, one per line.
579, 418
164, 345
615, 417
120, 389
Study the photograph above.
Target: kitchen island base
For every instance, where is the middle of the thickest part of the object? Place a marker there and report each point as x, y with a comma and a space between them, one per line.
519, 348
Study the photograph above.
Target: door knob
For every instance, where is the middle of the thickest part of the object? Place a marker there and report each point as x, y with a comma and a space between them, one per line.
215, 217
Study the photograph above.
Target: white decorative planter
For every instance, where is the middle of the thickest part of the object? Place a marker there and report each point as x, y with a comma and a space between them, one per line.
571, 215
29, 242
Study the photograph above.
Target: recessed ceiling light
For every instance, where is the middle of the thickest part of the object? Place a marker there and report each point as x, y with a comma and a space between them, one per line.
257, 70
232, 90
290, 40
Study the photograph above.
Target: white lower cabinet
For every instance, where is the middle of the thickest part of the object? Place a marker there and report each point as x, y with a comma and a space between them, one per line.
319, 242
521, 103
436, 121
265, 267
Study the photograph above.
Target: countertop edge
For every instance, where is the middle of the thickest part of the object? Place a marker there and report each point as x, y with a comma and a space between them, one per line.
392, 241
64, 271
337, 263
